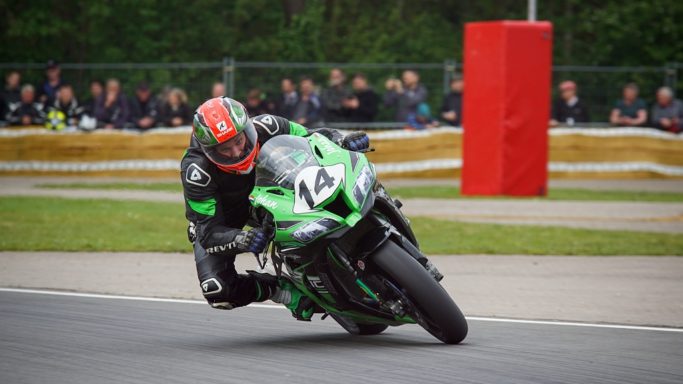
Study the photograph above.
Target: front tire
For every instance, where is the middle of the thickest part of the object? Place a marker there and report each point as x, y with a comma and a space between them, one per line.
358, 329
446, 321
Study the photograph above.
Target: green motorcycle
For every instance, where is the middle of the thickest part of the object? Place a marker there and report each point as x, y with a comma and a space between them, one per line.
343, 241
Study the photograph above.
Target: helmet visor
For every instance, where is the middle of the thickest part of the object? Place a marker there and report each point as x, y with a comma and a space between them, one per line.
235, 150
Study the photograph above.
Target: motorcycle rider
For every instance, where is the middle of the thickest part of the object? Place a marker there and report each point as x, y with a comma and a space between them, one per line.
217, 172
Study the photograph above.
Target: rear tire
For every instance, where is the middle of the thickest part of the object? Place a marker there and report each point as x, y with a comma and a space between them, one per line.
358, 329
432, 301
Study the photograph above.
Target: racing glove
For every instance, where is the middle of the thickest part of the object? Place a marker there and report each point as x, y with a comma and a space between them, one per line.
356, 141
254, 240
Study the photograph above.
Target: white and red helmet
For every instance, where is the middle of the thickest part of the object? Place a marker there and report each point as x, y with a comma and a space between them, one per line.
224, 122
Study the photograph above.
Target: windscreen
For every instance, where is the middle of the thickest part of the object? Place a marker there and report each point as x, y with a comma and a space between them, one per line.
281, 159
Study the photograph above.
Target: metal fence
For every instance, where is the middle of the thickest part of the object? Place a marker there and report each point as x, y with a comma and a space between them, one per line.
600, 87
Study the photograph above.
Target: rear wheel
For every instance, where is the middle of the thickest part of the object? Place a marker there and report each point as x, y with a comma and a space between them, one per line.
358, 329
442, 317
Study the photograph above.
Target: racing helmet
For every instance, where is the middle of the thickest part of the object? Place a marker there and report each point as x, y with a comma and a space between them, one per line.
226, 134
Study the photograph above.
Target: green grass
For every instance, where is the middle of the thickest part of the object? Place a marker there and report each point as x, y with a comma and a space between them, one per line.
54, 224
432, 192
452, 237
445, 192
159, 187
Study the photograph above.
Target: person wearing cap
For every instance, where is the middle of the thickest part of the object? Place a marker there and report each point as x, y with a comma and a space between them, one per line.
47, 92
144, 108
568, 109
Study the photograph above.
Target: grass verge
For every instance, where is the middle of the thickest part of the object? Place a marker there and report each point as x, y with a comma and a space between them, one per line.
54, 224
432, 192
445, 192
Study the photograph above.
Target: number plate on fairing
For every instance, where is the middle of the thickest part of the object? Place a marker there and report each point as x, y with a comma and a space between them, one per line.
313, 185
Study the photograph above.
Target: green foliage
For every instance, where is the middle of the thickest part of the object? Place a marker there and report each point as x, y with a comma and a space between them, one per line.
586, 31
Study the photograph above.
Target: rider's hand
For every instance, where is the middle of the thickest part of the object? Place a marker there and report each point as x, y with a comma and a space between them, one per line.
253, 240
357, 141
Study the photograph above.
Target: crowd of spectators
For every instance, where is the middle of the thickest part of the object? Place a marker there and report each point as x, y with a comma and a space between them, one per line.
666, 113
54, 104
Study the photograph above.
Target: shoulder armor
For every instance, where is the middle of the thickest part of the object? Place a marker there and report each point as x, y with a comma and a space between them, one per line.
271, 125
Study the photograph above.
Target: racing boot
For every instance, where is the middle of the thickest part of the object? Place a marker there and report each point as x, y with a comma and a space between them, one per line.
302, 306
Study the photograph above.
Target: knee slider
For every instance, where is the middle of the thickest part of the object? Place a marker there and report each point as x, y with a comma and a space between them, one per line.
216, 293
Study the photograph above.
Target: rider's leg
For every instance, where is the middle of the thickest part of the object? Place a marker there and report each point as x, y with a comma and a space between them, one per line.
223, 287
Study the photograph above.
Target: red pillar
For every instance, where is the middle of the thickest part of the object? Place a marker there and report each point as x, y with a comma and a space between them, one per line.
506, 108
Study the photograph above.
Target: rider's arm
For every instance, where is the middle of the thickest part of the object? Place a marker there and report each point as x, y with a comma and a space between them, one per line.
203, 209
269, 126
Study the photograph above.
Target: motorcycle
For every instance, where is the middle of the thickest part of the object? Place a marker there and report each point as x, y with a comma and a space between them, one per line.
344, 242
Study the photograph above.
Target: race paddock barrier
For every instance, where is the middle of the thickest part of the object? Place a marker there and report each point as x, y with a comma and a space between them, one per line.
585, 153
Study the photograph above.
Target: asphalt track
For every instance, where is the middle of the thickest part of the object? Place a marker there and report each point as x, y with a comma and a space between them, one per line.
71, 339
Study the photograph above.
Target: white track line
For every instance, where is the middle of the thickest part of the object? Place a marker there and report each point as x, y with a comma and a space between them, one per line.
269, 306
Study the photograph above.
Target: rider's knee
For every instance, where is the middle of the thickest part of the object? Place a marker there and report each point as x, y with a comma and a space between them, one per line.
216, 291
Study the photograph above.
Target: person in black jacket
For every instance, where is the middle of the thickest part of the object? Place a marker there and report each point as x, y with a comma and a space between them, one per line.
175, 112
112, 109
288, 99
144, 108
11, 94
47, 91
569, 109
256, 103
361, 107
451, 108
27, 111
218, 175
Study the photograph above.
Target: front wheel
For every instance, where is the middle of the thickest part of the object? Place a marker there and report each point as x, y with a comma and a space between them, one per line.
356, 328
444, 320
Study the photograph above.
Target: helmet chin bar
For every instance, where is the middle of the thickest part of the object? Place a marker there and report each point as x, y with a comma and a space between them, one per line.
242, 168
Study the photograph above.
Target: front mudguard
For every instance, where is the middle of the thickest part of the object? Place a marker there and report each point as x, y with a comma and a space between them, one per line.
383, 231
389, 208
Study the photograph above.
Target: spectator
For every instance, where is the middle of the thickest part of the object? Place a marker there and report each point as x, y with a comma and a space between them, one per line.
405, 96
333, 97
307, 109
67, 104
421, 118
11, 94
112, 109
217, 90
47, 92
27, 111
451, 108
631, 110
256, 103
362, 106
288, 99
667, 112
96, 90
176, 112
568, 109
144, 108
